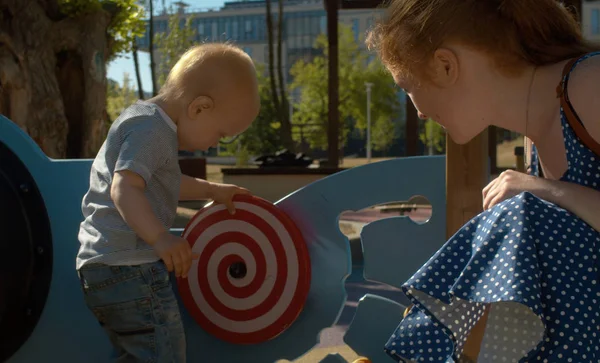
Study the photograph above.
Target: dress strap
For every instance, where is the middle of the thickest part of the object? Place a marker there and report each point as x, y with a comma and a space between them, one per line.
570, 113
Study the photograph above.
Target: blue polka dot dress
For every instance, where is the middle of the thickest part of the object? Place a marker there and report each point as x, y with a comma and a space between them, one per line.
531, 263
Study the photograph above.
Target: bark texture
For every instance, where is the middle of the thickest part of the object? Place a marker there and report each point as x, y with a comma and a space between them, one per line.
53, 75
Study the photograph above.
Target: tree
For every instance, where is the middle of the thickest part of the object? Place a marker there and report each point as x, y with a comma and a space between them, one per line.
119, 97
151, 47
172, 44
433, 136
262, 136
136, 65
52, 68
277, 82
311, 78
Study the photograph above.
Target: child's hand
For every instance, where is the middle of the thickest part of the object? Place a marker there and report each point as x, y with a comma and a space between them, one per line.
224, 193
175, 252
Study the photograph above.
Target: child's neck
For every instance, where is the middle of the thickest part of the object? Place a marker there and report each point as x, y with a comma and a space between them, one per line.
167, 106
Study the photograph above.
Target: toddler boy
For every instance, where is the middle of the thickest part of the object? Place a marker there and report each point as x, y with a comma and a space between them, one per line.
126, 250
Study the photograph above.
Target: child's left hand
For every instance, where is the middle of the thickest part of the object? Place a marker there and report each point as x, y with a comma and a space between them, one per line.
509, 184
224, 193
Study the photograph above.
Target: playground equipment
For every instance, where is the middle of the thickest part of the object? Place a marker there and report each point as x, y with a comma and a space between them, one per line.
42, 314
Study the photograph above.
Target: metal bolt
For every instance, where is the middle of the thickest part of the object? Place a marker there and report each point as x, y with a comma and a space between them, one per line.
24, 188
28, 312
40, 250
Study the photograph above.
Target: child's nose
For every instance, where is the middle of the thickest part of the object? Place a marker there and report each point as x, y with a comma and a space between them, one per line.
422, 116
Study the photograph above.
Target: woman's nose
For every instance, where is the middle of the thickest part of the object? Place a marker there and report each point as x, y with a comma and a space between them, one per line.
422, 116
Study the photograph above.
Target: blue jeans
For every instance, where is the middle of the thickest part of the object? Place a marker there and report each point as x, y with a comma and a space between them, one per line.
137, 308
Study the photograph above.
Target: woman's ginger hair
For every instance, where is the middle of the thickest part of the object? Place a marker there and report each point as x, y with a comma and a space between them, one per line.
512, 32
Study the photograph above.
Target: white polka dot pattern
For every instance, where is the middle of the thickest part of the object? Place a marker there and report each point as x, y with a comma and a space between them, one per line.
533, 263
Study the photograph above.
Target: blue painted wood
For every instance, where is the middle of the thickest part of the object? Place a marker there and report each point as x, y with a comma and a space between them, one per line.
373, 324
316, 209
67, 331
59, 335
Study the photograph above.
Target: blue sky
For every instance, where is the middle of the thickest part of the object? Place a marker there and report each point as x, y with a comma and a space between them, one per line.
124, 64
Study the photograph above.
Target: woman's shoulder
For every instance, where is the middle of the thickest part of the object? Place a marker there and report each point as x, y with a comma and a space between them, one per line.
583, 88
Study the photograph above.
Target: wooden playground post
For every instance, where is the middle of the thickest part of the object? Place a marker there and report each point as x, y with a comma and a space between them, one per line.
467, 173
412, 128
333, 132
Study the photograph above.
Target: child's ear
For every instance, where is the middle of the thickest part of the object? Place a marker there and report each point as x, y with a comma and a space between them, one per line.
199, 105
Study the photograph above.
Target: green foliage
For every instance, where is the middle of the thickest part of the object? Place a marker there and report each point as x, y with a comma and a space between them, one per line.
118, 98
263, 135
126, 22
172, 44
311, 79
433, 136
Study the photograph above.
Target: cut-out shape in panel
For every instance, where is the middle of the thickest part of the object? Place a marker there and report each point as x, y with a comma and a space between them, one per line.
394, 248
333, 358
373, 324
418, 209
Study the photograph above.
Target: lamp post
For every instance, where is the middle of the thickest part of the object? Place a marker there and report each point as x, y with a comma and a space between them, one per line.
369, 85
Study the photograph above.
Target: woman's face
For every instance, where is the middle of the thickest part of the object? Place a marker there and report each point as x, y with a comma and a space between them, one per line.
453, 96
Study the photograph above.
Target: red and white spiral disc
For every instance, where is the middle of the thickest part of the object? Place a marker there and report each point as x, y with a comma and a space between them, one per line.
252, 278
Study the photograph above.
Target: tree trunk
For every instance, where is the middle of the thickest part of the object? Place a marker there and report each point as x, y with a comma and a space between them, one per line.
136, 65
286, 123
53, 75
274, 94
151, 48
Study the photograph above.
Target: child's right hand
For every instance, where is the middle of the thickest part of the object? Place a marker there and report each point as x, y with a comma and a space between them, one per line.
175, 252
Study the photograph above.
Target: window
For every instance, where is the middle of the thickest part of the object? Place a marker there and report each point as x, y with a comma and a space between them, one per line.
370, 23
200, 29
248, 26
228, 29
235, 34
261, 28
324, 24
314, 25
595, 21
356, 29
248, 51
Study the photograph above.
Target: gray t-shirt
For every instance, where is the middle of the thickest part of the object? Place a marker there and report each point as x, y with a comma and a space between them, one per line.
143, 140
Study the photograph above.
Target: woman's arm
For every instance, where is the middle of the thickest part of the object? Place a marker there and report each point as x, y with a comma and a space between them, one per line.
580, 200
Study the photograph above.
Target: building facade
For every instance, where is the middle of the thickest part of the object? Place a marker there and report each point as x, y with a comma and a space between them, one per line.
590, 20
244, 23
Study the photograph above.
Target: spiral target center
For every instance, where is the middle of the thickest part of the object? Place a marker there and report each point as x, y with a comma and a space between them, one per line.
238, 270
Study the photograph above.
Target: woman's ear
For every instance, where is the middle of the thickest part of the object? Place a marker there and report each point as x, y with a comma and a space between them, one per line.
445, 67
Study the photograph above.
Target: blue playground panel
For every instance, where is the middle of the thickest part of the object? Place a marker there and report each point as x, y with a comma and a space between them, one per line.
393, 249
